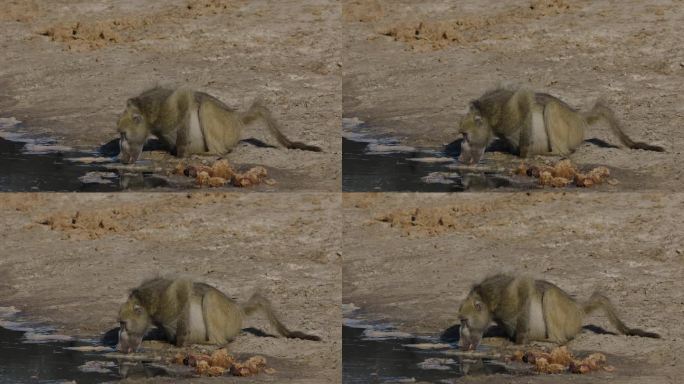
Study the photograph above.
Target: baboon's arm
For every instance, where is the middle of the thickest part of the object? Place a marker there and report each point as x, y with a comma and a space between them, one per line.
182, 140
182, 325
526, 134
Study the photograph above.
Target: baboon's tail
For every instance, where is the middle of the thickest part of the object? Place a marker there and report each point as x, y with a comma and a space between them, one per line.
598, 300
258, 110
258, 302
601, 110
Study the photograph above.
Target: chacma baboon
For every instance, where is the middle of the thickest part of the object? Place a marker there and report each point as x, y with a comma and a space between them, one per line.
189, 313
189, 122
530, 310
532, 124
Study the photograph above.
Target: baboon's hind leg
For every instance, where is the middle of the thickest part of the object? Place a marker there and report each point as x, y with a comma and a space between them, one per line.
565, 128
221, 127
222, 318
562, 316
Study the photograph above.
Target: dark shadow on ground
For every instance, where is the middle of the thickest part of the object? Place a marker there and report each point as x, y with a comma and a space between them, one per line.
600, 143
453, 149
451, 334
111, 337
598, 330
111, 148
257, 143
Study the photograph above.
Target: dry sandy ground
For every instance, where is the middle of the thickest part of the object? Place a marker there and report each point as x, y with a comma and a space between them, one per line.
67, 68
70, 262
410, 68
410, 258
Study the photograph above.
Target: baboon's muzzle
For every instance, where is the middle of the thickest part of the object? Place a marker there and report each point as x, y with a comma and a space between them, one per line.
128, 154
468, 340
128, 343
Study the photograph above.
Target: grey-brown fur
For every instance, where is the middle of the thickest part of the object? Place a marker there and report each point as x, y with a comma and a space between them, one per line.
189, 313
189, 122
532, 124
530, 310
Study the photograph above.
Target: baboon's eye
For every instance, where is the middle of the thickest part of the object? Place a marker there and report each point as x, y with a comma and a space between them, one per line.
478, 306
137, 119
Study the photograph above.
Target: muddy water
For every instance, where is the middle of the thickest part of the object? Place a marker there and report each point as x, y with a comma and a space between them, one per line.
392, 359
30, 357
22, 170
372, 161
48, 362
414, 170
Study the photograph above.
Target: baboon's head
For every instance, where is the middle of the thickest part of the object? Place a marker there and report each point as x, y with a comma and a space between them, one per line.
133, 132
133, 323
475, 318
476, 136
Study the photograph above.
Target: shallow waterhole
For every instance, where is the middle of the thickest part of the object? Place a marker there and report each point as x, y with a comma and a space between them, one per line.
24, 169
33, 355
376, 162
366, 169
378, 353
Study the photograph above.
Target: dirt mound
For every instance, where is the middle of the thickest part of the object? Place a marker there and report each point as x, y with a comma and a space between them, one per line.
197, 8
20, 10
362, 11
91, 35
80, 36
93, 224
435, 34
434, 220
548, 7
